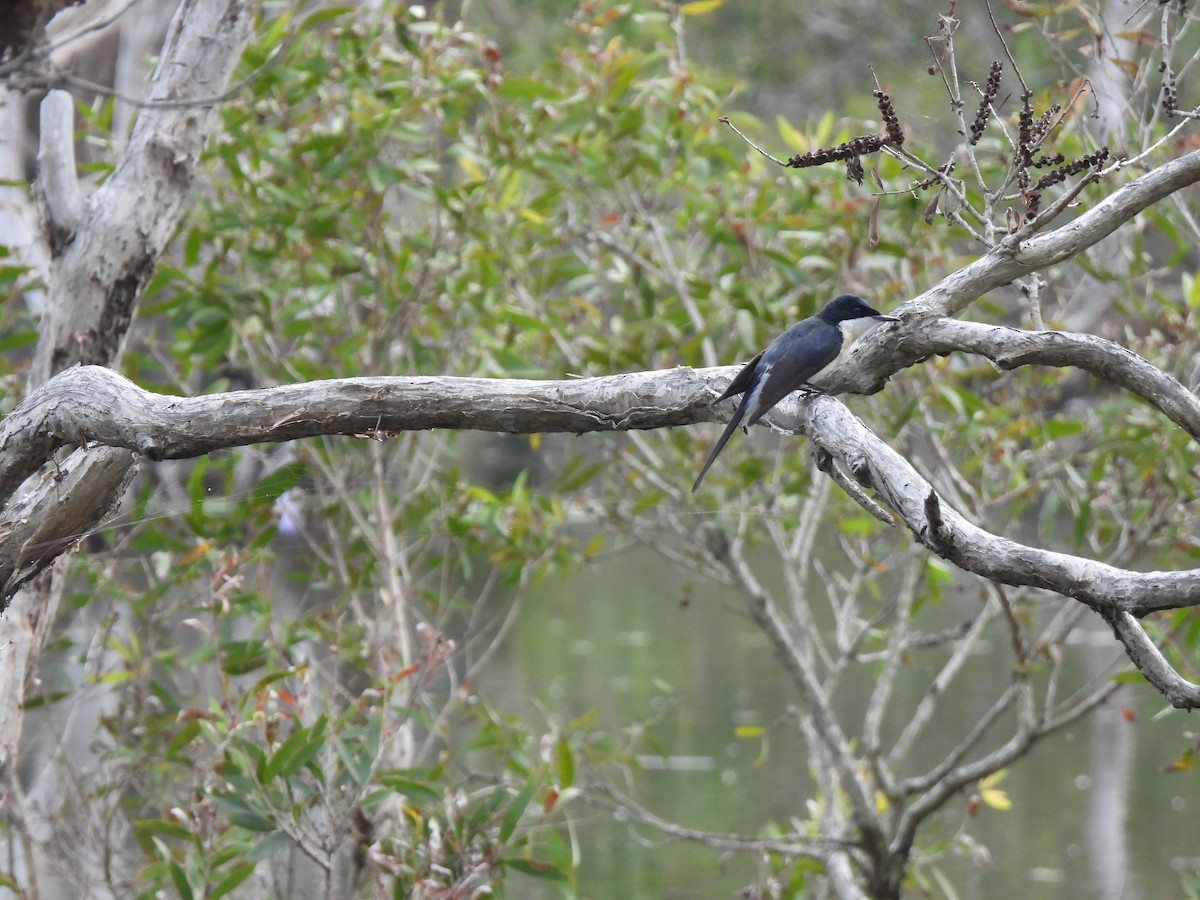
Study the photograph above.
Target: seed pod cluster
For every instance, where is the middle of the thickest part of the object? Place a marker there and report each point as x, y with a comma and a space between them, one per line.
1033, 198
1042, 161
1025, 131
895, 134
1092, 160
859, 146
1042, 125
1170, 94
984, 113
855, 148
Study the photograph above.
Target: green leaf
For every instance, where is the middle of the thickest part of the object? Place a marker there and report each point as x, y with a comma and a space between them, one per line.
278, 483
564, 763
1083, 521
187, 731
1191, 291
191, 246
252, 695
47, 698
14, 340
1048, 516
793, 138
240, 657
944, 883
326, 14
356, 761
521, 88
236, 876
163, 827
858, 525
196, 494
1131, 677
179, 879
700, 7
410, 787
533, 868
174, 870
276, 29
268, 846
484, 811
1058, 428
296, 752
241, 814
824, 133
515, 810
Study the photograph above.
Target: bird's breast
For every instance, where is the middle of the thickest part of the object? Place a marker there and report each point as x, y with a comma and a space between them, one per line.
852, 330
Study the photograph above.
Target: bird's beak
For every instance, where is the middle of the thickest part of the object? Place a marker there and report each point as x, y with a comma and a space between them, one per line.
883, 318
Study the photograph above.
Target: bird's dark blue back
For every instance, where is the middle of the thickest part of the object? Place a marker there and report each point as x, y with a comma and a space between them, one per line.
797, 355
786, 365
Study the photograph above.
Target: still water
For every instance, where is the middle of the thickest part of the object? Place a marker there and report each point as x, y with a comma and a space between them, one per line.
635, 639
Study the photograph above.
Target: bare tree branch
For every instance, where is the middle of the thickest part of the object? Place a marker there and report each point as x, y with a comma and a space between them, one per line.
107, 261
89, 404
1012, 347
95, 279
793, 845
57, 181
1151, 663
879, 355
93, 405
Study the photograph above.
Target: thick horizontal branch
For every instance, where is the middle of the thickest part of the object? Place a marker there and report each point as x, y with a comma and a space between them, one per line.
94, 405
1010, 348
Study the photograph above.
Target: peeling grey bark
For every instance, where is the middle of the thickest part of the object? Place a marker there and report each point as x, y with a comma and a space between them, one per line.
93, 405
102, 256
104, 262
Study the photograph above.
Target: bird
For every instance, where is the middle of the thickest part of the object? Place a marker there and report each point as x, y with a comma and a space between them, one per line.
792, 360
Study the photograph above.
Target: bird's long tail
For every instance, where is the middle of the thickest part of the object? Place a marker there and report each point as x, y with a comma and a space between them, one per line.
722, 441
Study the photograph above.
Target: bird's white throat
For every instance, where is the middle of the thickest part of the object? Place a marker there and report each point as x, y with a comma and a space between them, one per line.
853, 329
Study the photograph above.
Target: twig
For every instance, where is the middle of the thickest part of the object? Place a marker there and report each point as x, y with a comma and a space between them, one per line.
57, 179
1034, 225
826, 464
1003, 43
778, 162
795, 845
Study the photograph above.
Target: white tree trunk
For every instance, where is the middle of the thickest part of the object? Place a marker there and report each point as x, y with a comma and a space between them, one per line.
102, 251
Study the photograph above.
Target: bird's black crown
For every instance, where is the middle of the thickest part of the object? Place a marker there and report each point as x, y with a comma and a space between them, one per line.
849, 306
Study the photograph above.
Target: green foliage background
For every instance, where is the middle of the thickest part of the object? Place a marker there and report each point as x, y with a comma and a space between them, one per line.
402, 194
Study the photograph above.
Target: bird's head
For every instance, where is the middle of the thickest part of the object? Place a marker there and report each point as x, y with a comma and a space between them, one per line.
851, 306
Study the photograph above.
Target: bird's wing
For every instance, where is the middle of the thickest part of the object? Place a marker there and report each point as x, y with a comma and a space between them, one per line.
742, 381
723, 439
799, 354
